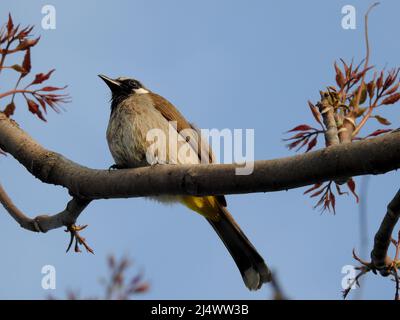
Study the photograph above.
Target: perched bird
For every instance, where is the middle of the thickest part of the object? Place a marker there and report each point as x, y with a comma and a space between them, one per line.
134, 111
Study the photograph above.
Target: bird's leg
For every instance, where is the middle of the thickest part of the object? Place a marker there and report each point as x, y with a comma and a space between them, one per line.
79, 240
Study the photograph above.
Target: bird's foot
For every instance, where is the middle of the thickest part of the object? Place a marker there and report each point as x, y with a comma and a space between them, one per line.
79, 240
115, 167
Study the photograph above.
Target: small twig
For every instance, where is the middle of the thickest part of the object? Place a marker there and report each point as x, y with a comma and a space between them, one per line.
355, 281
79, 240
13, 92
357, 101
277, 290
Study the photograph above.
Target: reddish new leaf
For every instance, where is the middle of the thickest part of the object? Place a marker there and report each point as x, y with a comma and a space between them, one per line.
392, 89
371, 88
302, 127
332, 201
382, 120
378, 132
294, 144
303, 144
26, 64
352, 186
18, 68
144, 287
10, 26
27, 43
315, 186
316, 194
312, 144
51, 88
379, 82
34, 108
316, 114
9, 110
41, 77
24, 32
391, 99
346, 68
296, 136
339, 76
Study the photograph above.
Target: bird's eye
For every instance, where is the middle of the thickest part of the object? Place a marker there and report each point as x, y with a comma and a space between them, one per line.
133, 84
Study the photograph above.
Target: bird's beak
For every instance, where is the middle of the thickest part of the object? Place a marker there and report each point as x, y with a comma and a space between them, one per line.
111, 83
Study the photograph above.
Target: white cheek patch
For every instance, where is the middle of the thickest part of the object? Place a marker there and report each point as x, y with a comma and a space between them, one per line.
141, 91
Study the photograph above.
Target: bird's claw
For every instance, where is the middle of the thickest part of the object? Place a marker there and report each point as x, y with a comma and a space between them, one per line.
79, 240
114, 167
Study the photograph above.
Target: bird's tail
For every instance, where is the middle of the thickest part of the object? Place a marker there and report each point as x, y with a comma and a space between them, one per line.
251, 265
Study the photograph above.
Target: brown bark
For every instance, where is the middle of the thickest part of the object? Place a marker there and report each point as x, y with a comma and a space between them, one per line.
373, 156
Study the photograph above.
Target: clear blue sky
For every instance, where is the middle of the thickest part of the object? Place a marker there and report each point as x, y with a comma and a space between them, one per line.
225, 64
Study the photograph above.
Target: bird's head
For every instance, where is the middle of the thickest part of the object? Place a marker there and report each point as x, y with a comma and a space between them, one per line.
122, 87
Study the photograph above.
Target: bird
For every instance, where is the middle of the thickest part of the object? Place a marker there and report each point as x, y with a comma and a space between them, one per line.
135, 110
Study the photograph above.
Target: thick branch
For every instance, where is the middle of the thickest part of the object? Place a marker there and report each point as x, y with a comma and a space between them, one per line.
372, 156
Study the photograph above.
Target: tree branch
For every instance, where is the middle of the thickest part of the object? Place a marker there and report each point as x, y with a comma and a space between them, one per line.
379, 254
371, 156
44, 223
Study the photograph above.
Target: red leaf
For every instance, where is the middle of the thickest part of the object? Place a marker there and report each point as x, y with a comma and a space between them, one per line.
9, 110
339, 76
10, 25
296, 136
352, 186
333, 201
24, 32
379, 82
142, 288
51, 88
290, 146
26, 64
346, 67
315, 186
392, 89
391, 99
42, 103
302, 127
25, 44
378, 132
41, 77
303, 144
312, 144
382, 120
315, 112
34, 108
318, 193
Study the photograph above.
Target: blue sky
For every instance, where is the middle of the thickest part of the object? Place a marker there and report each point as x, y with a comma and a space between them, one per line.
225, 64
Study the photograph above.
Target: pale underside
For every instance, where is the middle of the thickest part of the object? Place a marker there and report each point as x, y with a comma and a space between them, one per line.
133, 121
